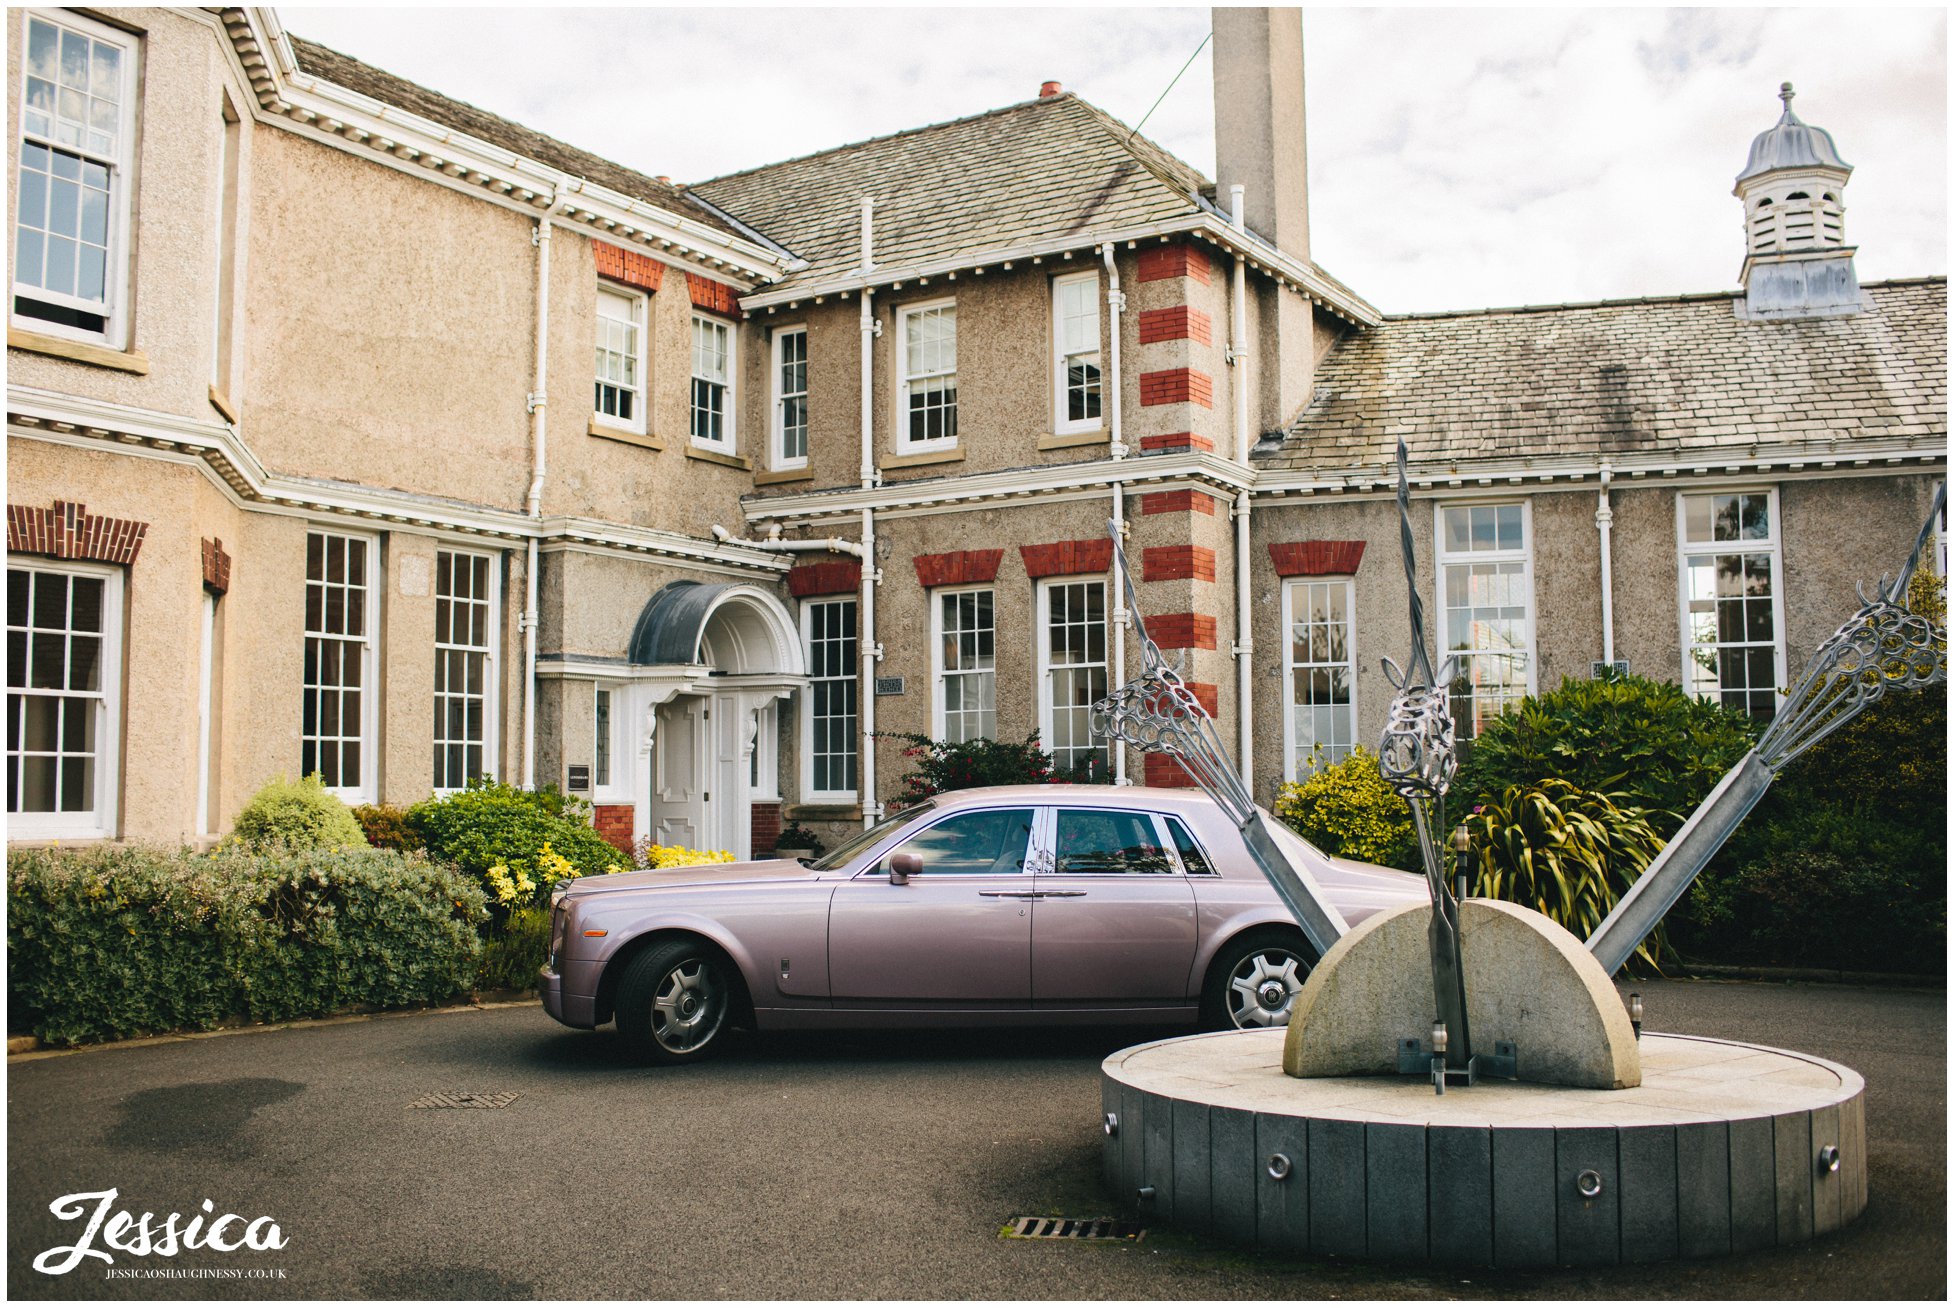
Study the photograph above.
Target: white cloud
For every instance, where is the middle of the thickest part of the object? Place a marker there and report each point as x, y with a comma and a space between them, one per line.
1458, 157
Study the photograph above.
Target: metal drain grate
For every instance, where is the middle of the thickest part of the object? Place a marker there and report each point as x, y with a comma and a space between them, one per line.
1071, 1228
502, 1100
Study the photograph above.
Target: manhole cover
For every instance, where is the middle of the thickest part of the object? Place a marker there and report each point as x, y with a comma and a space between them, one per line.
502, 1100
1071, 1228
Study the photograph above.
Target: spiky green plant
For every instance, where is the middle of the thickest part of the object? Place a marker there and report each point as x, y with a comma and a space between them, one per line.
1564, 852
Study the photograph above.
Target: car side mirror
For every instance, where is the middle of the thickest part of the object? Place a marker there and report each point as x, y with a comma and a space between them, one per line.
904, 866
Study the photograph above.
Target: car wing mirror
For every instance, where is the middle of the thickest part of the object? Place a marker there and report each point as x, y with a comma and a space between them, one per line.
904, 866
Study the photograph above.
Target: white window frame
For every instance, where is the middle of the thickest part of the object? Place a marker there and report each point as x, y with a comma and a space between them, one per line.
727, 441
1046, 708
1062, 425
1524, 556
780, 459
1294, 755
1774, 547
114, 306
904, 445
491, 656
940, 675
369, 645
99, 820
852, 674
641, 307
764, 779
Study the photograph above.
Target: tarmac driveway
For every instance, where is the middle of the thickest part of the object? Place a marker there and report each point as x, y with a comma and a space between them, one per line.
877, 1167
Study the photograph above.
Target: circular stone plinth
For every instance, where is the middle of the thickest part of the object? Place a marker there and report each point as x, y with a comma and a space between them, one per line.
1724, 1147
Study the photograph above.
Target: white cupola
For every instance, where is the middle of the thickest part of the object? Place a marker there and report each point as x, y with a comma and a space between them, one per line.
1796, 261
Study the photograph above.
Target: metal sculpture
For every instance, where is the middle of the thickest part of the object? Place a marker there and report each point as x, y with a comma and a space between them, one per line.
1157, 714
1883, 647
1418, 757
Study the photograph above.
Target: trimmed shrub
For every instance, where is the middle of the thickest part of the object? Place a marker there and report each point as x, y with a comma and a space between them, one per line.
295, 815
1562, 851
942, 765
119, 941
386, 826
1346, 809
490, 825
1646, 742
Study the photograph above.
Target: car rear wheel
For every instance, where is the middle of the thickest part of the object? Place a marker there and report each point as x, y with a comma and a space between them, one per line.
1255, 980
674, 1002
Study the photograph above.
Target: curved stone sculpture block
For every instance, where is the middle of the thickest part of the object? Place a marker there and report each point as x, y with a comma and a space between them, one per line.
1527, 980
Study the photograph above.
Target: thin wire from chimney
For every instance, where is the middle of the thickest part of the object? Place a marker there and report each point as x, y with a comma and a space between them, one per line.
1170, 86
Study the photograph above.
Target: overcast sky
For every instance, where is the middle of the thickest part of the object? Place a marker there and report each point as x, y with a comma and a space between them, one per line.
1458, 158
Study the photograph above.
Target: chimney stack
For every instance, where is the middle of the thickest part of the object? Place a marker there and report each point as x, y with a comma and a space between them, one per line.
1258, 121
1049, 90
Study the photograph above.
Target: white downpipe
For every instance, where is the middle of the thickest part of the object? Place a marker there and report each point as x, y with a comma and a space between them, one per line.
1116, 304
870, 330
871, 654
1604, 520
1244, 644
533, 502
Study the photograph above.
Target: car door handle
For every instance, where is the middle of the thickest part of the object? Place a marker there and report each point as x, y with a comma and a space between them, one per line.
1011, 894
1061, 894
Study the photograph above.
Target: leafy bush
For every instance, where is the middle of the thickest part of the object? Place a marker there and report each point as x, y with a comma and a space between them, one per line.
513, 953
118, 941
386, 826
655, 856
1645, 740
295, 815
490, 825
796, 836
1347, 809
962, 765
1562, 851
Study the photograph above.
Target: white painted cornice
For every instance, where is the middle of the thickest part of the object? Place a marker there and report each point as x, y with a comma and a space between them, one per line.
290, 98
220, 453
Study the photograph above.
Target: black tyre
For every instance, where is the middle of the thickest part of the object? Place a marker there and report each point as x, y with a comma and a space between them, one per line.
1254, 981
675, 1002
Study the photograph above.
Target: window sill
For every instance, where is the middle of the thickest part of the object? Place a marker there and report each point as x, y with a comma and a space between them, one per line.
222, 403
820, 812
1074, 439
60, 347
920, 460
779, 475
643, 440
715, 456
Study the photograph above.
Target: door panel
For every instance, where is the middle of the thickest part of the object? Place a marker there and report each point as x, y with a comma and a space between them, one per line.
958, 933
678, 790
1115, 919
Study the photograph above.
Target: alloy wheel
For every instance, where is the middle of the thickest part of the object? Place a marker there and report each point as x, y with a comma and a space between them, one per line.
1263, 988
688, 1006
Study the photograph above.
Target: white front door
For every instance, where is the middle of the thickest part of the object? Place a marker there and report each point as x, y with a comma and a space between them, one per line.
681, 783
729, 808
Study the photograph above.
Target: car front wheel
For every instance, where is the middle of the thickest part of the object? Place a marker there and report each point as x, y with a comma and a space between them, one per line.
674, 1002
1254, 982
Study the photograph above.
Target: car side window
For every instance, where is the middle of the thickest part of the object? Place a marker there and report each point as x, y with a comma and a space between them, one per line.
1192, 858
1097, 840
989, 842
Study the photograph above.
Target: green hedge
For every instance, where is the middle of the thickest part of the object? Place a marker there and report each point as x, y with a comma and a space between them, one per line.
493, 825
117, 941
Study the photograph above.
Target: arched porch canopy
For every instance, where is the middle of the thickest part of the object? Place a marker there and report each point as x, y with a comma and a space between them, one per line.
736, 629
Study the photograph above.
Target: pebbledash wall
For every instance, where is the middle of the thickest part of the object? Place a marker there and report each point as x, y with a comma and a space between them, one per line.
329, 332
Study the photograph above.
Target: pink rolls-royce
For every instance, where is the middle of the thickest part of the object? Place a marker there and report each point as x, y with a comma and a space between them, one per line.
1016, 905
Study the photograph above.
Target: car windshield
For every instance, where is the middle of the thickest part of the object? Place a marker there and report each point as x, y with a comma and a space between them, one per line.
841, 854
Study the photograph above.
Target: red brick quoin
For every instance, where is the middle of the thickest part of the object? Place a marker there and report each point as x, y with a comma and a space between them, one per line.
628, 266
1181, 630
1176, 563
1067, 558
217, 566
1316, 558
959, 568
1177, 386
68, 531
1162, 261
823, 579
1179, 323
1175, 440
1180, 501
613, 823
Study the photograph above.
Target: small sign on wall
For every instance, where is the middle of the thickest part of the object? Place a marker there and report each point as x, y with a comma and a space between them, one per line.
1601, 670
888, 685
579, 777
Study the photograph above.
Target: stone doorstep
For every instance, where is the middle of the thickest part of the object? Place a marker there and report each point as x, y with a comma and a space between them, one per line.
27, 1048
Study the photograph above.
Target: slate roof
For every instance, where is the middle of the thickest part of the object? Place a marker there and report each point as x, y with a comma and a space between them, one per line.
1681, 374
1037, 171
344, 70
